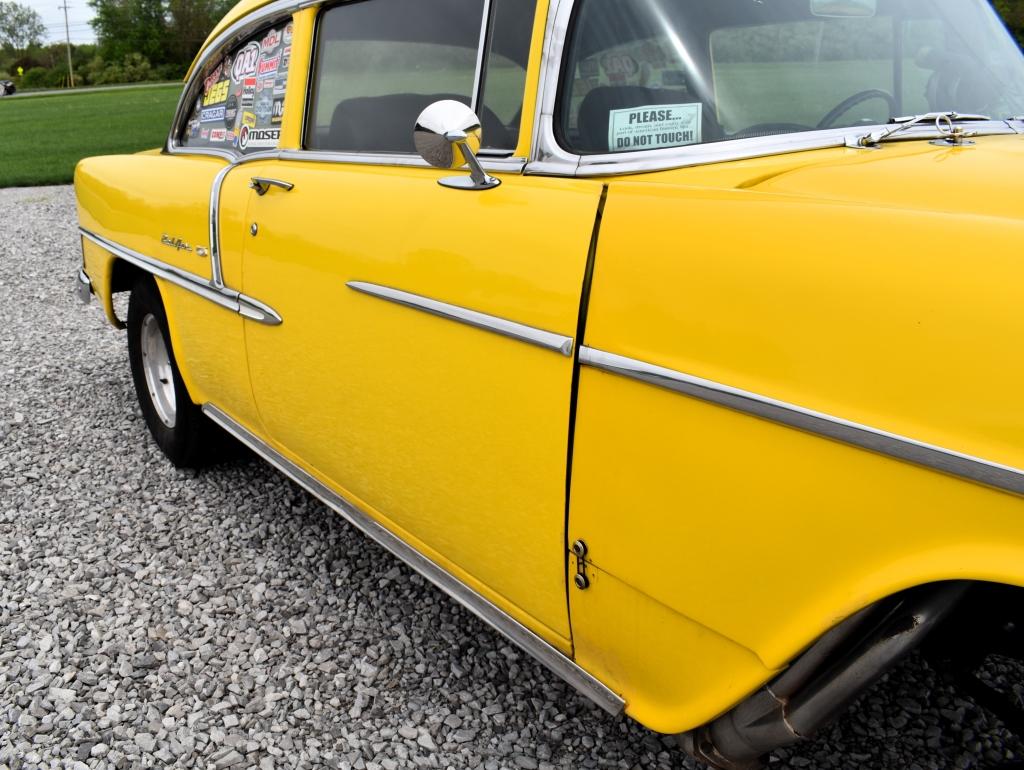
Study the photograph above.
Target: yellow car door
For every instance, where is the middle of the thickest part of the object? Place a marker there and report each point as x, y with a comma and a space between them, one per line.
424, 366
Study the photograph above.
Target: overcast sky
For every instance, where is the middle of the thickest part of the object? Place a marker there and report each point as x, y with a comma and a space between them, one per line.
79, 15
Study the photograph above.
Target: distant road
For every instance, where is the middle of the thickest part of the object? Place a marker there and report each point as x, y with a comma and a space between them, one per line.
94, 89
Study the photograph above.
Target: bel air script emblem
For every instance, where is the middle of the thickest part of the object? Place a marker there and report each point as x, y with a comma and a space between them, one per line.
175, 243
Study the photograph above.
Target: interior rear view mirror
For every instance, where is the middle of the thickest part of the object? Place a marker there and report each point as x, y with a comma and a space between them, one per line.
843, 9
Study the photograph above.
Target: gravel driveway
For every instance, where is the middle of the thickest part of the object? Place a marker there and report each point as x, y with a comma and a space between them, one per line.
152, 617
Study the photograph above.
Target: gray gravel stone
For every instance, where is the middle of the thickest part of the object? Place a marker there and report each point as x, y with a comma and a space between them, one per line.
153, 617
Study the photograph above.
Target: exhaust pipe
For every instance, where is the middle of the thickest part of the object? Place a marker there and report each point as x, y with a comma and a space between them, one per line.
823, 681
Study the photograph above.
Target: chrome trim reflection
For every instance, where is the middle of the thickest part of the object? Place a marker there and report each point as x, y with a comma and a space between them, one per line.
223, 297
502, 165
216, 267
489, 613
481, 48
900, 447
216, 263
83, 288
506, 328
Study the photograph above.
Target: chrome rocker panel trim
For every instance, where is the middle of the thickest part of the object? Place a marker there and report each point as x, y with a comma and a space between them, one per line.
900, 447
517, 331
247, 307
499, 620
83, 287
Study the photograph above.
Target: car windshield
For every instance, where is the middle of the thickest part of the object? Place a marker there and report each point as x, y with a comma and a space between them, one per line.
649, 74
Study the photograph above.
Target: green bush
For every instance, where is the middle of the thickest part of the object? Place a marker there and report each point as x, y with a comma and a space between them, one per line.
57, 77
35, 78
135, 68
170, 72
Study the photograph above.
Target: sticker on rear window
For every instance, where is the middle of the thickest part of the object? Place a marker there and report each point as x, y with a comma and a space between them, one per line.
654, 126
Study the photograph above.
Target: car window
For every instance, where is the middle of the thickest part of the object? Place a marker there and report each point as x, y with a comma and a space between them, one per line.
241, 103
651, 74
508, 51
789, 73
380, 63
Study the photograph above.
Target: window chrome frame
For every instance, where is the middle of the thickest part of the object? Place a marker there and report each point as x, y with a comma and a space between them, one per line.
548, 157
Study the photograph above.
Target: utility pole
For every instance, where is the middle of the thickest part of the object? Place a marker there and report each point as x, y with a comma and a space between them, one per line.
67, 32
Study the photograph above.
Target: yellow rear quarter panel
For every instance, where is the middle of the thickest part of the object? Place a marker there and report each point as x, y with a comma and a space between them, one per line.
134, 200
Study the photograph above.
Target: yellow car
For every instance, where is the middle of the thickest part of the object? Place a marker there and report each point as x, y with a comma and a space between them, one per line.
676, 339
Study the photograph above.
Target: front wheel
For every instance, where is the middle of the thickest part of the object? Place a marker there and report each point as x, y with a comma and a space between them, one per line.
178, 425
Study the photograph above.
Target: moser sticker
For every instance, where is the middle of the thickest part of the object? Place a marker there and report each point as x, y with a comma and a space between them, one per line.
258, 137
271, 41
246, 62
212, 115
248, 92
269, 66
217, 134
658, 125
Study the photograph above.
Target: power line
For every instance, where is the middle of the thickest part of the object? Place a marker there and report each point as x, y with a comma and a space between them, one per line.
67, 32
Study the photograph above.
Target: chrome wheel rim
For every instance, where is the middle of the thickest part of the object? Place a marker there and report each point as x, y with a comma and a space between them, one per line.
157, 370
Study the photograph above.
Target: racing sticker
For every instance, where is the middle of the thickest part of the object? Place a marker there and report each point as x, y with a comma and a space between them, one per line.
271, 41
246, 62
248, 92
258, 137
654, 126
269, 66
212, 115
231, 111
264, 108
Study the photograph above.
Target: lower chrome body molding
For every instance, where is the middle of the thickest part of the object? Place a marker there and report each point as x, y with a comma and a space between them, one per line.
498, 619
83, 288
228, 299
900, 447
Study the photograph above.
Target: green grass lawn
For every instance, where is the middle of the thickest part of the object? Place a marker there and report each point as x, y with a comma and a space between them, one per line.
43, 137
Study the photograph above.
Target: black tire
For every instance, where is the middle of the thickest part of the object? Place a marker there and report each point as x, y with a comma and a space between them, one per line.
179, 427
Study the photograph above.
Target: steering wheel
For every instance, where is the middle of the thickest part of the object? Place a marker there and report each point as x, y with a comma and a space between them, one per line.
850, 102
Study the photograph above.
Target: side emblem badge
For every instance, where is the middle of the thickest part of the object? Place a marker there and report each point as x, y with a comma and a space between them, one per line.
175, 243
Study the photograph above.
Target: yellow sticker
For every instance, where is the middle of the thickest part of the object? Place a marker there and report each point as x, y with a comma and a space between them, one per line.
249, 119
217, 94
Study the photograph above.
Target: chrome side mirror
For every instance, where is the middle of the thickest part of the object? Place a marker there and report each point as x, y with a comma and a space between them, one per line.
448, 135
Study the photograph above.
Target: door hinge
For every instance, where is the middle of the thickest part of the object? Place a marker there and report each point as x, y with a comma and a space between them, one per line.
579, 549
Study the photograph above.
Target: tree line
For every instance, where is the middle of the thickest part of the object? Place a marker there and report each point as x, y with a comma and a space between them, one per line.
156, 40
137, 40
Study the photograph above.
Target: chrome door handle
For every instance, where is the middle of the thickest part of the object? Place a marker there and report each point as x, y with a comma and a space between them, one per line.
262, 184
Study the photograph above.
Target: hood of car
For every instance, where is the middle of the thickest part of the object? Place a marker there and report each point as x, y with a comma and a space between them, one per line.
981, 179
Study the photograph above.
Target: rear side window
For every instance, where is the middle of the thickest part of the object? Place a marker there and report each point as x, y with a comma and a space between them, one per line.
241, 103
380, 63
